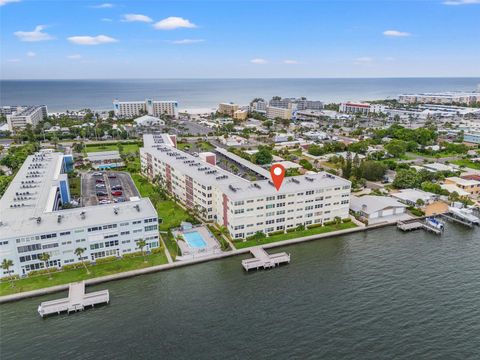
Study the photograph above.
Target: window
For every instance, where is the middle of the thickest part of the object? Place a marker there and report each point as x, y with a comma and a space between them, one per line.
151, 227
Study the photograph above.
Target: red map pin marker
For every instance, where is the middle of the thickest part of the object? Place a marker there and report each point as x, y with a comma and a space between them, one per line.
277, 171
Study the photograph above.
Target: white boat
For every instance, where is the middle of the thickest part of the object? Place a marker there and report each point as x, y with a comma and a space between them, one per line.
435, 223
464, 214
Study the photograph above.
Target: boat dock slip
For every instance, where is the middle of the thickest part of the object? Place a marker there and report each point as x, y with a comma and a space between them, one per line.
77, 300
415, 225
263, 260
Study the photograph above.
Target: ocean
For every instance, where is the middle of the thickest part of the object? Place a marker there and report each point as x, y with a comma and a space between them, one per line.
381, 294
205, 94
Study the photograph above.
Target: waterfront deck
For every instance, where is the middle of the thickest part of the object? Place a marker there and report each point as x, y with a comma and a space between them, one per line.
263, 260
415, 225
453, 218
77, 300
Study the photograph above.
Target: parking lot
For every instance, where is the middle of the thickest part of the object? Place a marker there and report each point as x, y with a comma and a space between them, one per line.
98, 186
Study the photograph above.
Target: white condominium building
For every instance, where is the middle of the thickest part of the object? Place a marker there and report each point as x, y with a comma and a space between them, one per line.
26, 115
244, 207
32, 224
441, 98
350, 107
130, 109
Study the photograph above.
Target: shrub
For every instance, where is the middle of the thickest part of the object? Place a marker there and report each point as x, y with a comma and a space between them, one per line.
329, 223
346, 220
132, 255
275, 233
415, 211
75, 266
43, 271
157, 250
106, 260
313, 226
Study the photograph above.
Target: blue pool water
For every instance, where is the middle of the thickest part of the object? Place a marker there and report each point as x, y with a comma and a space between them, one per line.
194, 239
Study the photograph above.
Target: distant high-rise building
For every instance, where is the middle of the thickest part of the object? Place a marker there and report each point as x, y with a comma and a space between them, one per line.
441, 98
299, 104
130, 109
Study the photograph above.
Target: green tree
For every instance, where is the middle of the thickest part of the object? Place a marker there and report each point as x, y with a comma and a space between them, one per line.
306, 164
79, 252
45, 257
347, 168
263, 156
6, 265
397, 148
372, 170
405, 178
141, 245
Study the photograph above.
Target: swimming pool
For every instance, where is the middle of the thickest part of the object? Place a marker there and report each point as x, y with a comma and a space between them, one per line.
195, 239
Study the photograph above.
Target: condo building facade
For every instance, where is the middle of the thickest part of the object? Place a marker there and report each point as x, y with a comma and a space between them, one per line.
441, 98
353, 108
228, 109
130, 109
278, 112
244, 207
32, 221
21, 116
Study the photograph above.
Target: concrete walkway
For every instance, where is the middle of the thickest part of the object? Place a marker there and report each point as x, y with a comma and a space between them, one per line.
177, 264
167, 253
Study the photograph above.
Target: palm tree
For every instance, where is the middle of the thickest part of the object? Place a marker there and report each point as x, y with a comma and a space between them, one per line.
140, 245
44, 257
6, 264
79, 252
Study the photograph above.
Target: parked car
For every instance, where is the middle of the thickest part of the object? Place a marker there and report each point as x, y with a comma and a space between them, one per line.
105, 201
119, 199
100, 185
102, 193
117, 187
100, 181
117, 193
112, 176
98, 173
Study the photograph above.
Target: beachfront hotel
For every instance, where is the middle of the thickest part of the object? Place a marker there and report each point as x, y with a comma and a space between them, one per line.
244, 207
23, 115
32, 222
130, 109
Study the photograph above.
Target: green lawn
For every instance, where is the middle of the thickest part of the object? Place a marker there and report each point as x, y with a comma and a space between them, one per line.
201, 146
68, 276
467, 163
218, 235
127, 147
294, 234
171, 245
170, 213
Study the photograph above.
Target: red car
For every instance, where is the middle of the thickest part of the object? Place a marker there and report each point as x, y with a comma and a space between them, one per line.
100, 181
117, 193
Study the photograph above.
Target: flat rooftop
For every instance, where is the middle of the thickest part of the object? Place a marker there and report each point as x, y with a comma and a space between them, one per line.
26, 208
235, 187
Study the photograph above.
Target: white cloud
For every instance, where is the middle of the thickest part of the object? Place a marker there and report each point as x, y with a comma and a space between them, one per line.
461, 2
259, 61
363, 60
173, 22
35, 35
290, 62
31, 54
91, 40
396, 33
137, 18
106, 19
187, 41
5, 2
103, 6
13, 60
74, 56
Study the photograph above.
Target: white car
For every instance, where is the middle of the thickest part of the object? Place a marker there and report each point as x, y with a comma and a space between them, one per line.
100, 186
104, 202
97, 173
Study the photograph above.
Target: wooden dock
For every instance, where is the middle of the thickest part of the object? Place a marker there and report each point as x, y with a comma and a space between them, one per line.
415, 225
262, 260
77, 300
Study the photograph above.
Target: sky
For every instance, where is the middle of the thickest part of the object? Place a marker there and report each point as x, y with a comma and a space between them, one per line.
238, 39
